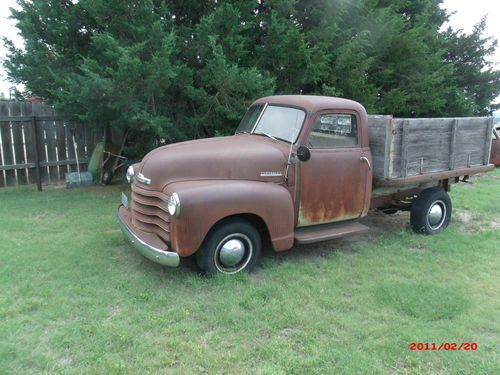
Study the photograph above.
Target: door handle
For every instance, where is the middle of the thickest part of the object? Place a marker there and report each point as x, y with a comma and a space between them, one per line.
365, 159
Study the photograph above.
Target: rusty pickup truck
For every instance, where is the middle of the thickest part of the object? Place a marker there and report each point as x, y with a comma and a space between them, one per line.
299, 169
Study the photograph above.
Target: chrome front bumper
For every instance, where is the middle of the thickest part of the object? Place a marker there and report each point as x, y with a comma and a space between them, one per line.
155, 250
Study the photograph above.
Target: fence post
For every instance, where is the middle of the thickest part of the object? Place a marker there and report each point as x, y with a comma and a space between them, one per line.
37, 156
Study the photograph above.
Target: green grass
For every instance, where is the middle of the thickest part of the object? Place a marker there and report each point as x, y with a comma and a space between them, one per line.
75, 298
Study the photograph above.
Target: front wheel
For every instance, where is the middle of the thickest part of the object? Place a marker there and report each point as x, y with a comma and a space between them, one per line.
431, 211
232, 246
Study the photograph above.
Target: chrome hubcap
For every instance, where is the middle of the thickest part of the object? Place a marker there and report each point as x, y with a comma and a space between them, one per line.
436, 214
233, 253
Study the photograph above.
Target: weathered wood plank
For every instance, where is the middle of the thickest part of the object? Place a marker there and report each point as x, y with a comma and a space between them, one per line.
50, 133
80, 143
415, 169
39, 109
436, 124
44, 164
388, 149
24, 118
13, 167
404, 145
453, 143
377, 130
18, 143
88, 135
35, 150
61, 148
19, 131
8, 156
81, 161
487, 138
26, 111
69, 144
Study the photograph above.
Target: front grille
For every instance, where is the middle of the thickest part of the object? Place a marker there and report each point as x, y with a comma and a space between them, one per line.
149, 212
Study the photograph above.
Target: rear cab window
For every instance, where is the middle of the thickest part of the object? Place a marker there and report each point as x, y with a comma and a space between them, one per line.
334, 130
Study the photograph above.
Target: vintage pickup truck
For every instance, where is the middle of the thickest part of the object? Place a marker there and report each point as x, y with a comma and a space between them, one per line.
299, 169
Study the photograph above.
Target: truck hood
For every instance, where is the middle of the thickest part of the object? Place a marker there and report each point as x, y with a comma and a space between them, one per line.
244, 156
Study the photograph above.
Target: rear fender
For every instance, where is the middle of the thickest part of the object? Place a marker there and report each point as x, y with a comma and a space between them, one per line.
204, 203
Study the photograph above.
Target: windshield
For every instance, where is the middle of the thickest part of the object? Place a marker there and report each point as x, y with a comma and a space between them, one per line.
276, 121
248, 121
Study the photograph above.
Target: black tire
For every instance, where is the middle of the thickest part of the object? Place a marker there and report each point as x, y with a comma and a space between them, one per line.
245, 236
431, 211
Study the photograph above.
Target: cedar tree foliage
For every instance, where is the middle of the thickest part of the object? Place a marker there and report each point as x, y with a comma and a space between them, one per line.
171, 70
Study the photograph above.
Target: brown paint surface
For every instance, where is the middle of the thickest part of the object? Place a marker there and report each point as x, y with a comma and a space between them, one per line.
332, 186
495, 152
149, 212
237, 157
205, 203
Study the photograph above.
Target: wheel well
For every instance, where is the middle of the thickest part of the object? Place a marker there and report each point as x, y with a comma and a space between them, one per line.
253, 219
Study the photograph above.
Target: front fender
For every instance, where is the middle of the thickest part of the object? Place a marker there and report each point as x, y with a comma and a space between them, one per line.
204, 203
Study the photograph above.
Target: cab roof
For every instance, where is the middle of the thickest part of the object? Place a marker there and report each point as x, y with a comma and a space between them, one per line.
313, 103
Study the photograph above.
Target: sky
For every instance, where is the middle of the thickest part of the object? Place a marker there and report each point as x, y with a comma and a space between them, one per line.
467, 14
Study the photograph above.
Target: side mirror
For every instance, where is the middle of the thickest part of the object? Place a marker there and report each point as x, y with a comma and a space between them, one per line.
303, 153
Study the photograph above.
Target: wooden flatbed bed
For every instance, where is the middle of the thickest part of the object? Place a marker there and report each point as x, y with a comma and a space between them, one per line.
413, 154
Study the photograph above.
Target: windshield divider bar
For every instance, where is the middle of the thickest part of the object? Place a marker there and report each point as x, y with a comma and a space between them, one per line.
258, 118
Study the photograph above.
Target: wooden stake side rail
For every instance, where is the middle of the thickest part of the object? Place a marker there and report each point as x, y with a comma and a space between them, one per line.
36, 144
413, 148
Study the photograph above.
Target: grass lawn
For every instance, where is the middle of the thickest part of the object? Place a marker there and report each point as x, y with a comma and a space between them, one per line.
75, 298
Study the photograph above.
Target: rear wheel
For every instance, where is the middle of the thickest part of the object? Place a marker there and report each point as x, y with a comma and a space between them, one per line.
431, 211
232, 246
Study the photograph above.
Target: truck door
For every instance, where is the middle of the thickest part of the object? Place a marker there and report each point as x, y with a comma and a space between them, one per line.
333, 181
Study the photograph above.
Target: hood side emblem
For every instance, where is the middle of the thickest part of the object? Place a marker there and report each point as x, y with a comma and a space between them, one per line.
271, 174
141, 178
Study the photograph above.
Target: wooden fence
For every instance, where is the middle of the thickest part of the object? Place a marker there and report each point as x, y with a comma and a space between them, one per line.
36, 145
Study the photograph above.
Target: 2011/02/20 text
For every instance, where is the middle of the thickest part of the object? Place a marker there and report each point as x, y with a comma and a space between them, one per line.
432, 346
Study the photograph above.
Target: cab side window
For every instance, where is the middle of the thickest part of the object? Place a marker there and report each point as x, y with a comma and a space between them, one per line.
334, 130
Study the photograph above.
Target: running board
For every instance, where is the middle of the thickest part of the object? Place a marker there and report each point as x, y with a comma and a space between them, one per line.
323, 232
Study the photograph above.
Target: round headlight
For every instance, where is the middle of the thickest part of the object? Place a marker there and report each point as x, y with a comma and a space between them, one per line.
130, 174
174, 205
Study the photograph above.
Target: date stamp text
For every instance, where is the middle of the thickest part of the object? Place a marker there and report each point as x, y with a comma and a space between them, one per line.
434, 346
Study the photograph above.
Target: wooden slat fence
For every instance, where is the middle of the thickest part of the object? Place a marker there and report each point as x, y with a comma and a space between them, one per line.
36, 144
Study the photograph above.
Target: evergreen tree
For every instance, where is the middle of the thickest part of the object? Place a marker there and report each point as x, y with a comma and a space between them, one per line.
175, 70
474, 83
